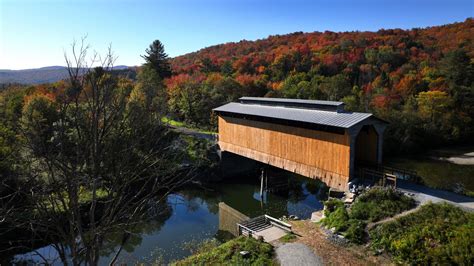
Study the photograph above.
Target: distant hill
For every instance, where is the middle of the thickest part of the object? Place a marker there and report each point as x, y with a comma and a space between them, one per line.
336, 50
38, 75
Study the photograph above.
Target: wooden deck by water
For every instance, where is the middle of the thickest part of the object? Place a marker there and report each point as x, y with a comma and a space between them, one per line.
265, 226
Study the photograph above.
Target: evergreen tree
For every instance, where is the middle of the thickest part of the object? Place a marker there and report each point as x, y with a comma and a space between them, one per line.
157, 59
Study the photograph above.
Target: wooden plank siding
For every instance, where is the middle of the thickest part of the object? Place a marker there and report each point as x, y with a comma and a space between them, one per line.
311, 153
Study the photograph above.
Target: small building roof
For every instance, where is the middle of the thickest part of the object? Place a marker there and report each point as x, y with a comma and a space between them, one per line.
325, 113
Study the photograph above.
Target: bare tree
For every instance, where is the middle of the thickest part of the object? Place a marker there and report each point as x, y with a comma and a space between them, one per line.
99, 160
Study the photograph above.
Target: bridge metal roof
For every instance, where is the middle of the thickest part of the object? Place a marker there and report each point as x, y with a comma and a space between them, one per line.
296, 103
333, 118
285, 100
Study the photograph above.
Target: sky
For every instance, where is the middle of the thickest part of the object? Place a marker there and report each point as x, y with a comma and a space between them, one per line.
38, 33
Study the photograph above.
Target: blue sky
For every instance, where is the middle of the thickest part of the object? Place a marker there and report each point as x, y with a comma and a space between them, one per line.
36, 33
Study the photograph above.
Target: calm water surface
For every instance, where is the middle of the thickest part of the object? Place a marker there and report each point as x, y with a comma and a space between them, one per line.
193, 216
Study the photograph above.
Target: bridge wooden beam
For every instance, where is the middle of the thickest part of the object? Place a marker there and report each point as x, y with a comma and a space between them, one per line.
332, 179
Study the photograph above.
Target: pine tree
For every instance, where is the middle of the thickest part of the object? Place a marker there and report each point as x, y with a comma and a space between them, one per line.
157, 59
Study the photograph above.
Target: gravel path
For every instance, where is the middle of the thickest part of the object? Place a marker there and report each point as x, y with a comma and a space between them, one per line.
296, 254
424, 194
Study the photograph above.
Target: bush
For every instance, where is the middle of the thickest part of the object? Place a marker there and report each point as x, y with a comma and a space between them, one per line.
355, 231
228, 254
435, 234
331, 205
379, 203
337, 218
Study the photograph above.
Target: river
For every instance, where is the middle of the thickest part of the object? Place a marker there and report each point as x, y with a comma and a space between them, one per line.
193, 216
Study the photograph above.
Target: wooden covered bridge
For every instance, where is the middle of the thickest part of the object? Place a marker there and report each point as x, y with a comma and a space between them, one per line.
316, 139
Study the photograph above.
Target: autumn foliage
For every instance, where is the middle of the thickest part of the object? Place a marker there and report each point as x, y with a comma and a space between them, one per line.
421, 80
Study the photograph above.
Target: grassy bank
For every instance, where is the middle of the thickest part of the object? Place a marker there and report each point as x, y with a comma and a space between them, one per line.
438, 234
439, 174
260, 253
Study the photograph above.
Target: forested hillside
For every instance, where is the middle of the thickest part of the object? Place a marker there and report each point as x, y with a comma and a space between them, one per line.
421, 80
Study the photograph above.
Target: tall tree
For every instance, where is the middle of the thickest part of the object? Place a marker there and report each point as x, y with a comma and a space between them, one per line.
98, 164
157, 59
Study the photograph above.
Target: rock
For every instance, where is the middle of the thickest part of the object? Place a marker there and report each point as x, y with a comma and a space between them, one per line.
294, 217
317, 216
244, 253
379, 251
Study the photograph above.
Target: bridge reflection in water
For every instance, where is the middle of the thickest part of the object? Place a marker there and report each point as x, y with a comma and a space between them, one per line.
229, 218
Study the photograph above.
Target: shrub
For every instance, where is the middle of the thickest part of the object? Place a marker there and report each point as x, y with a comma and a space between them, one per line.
435, 234
379, 203
337, 219
355, 231
331, 205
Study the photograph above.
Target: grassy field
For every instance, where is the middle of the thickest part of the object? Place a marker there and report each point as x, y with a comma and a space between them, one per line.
439, 174
260, 253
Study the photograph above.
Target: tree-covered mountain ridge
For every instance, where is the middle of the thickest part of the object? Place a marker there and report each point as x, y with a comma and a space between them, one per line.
440, 38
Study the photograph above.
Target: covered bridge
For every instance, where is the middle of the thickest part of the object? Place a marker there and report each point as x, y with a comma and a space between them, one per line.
316, 139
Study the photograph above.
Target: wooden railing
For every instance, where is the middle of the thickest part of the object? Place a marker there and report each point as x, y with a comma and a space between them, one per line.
377, 177
379, 170
278, 223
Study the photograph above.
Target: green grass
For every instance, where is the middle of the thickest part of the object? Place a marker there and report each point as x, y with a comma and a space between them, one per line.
175, 123
439, 174
288, 238
438, 234
172, 122
229, 254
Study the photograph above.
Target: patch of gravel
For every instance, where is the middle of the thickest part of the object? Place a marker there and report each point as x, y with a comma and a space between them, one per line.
293, 254
336, 239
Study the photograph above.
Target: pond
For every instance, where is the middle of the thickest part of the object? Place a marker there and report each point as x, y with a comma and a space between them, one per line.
193, 216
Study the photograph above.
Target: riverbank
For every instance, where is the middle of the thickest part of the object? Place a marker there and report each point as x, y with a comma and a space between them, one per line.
425, 234
311, 245
194, 217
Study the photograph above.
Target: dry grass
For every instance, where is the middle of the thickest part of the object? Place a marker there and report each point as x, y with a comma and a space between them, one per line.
332, 254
